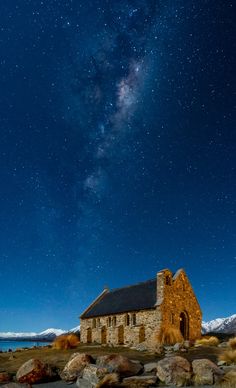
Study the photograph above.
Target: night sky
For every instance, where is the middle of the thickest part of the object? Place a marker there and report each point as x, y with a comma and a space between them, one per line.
117, 153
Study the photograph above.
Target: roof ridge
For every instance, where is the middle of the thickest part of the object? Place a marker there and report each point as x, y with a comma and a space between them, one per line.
132, 285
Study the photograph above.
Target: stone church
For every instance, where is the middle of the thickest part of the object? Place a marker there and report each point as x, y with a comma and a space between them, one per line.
137, 313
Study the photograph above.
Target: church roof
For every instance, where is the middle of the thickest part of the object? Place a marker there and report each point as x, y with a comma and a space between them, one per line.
139, 296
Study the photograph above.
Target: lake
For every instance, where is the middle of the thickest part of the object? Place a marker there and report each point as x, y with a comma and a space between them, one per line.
13, 345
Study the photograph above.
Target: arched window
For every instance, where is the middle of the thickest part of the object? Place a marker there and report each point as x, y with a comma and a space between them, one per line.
94, 323
133, 319
127, 320
98, 322
114, 321
109, 322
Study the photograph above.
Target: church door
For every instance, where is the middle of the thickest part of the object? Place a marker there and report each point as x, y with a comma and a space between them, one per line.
184, 325
121, 335
104, 335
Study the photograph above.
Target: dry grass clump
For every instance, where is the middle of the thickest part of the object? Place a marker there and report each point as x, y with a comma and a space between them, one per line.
207, 341
169, 336
229, 380
66, 341
229, 356
232, 343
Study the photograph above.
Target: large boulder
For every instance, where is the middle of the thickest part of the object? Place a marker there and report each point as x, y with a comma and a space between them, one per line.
35, 371
75, 366
174, 370
139, 381
206, 372
96, 376
120, 364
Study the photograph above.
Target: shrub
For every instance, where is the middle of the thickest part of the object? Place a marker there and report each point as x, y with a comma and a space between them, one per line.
208, 341
232, 343
169, 336
229, 356
66, 341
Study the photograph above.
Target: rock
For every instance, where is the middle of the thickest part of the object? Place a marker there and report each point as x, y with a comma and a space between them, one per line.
75, 366
220, 363
141, 347
5, 377
206, 372
223, 345
177, 346
151, 367
174, 370
82, 383
35, 371
12, 357
120, 364
168, 348
139, 381
94, 374
159, 349
187, 344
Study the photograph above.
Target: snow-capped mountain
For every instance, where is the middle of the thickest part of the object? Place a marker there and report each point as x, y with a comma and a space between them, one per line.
48, 334
75, 329
220, 325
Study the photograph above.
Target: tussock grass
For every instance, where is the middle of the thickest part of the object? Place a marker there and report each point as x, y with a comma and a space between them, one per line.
229, 356
229, 380
208, 341
232, 343
66, 341
169, 336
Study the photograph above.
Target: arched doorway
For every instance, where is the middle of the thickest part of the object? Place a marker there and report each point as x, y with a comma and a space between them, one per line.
121, 335
184, 325
104, 335
141, 334
89, 335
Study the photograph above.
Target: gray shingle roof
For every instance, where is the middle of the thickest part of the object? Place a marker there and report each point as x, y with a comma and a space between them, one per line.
140, 296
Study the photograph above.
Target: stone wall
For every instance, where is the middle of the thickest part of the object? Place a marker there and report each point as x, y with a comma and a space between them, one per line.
146, 323
178, 297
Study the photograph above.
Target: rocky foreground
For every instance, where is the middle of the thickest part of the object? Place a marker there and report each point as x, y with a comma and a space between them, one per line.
175, 366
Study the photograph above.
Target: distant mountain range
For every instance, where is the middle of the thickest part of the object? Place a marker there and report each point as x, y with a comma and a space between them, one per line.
46, 335
220, 325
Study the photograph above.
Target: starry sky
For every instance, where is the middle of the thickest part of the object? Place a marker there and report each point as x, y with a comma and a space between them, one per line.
117, 153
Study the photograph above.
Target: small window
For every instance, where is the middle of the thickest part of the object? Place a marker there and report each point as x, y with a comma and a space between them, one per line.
172, 318
109, 322
127, 320
114, 321
94, 324
133, 319
98, 322
168, 280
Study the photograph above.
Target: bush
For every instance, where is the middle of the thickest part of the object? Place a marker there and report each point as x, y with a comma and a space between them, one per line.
66, 341
232, 343
229, 356
208, 341
169, 336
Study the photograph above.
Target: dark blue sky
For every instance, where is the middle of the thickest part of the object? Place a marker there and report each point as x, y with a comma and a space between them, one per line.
117, 153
